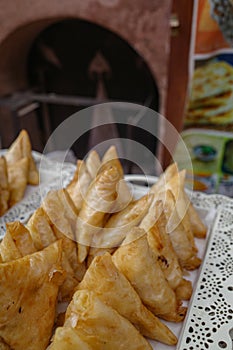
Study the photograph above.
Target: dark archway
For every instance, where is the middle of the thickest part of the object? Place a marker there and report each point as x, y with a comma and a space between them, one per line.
64, 60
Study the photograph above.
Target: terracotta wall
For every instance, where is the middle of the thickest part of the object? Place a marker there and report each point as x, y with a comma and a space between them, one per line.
144, 24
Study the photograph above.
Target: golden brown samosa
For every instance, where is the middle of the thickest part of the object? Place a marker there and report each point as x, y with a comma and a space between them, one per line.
69, 209
154, 224
78, 187
18, 177
93, 252
135, 259
124, 195
113, 288
186, 252
4, 186
99, 201
21, 237
68, 339
40, 229
198, 228
28, 298
170, 171
175, 181
8, 249
176, 186
93, 163
61, 213
111, 158
44, 232
19, 149
119, 224
101, 326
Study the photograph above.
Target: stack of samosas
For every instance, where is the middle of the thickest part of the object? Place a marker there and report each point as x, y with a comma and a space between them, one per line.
17, 169
115, 264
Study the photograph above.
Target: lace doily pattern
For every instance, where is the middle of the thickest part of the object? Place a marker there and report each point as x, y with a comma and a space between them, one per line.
209, 323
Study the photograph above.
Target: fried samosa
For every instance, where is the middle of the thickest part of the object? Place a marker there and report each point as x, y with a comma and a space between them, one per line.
40, 229
198, 228
186, 252
68, 339
28, 298
112, 235
93, 163
78, 187
124, 195
44, 232
113, 288
8, 249
21, 237
99, 201
176, 186
175, 181
111, 158
170, 171
61, 213
119, 224
20, 149
101, 326
4, 186
154, 224
135, 259
18, 177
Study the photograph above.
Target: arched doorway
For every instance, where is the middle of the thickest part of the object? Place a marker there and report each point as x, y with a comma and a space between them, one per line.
71, 57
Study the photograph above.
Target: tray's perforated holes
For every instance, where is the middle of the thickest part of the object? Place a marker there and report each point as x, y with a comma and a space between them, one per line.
222, 344
231, 335
230, 288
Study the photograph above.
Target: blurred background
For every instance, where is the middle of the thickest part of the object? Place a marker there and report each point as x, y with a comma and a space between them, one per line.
57, 58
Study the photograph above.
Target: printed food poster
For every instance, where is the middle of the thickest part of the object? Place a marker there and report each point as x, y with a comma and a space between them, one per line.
212, 160
208, 122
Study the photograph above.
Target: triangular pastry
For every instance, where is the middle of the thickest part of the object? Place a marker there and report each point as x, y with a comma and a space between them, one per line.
78, 187
113, 288
198, 228
119, 224
61, 213
154, 224
186, 252
93, 163
176, 186
111, 157
19, 149
21, 237
18, 177
40, 229
124, 195
99, 201
8, 249
4, 186
44, 232
28, 298
135, 259
67, 339
170, 171
101, 326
